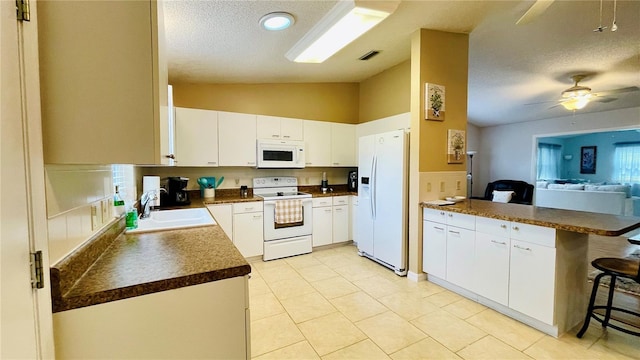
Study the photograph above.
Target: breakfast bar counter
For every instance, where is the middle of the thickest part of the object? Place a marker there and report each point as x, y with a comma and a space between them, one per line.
568, 220
527, 262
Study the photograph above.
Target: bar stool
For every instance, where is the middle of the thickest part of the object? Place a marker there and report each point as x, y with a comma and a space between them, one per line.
614, 267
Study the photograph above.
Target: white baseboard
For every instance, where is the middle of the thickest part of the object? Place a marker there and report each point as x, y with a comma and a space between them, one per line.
416, 277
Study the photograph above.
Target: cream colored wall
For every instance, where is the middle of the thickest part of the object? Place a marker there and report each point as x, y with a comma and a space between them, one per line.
386, 94
440, 58
72, 191
336, 102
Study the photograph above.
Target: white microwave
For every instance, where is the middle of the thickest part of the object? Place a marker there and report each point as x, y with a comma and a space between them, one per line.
280, 154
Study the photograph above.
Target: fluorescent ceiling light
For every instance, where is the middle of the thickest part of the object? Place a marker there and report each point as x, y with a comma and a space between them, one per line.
345, 22
276, 21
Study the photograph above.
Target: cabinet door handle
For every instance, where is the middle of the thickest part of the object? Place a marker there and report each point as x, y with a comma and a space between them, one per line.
307, 163
211, 162
438, 228
248, 208
170, 156
503, 226
442, 213
257, 216
251, 162
275, 136
338, 209
516, 228
498, 242
522, 248
336, 163
450, 215
454, 232
286, 136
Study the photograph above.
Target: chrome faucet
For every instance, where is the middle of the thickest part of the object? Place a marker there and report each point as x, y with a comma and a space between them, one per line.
145, 202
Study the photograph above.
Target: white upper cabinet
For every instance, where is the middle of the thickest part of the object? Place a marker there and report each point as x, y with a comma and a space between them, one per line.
196, 137
103, 78
279, 128
317, 138
237, 139
343, 145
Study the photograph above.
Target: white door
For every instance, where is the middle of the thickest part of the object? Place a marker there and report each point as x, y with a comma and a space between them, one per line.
365, 206
388, 189
26, 330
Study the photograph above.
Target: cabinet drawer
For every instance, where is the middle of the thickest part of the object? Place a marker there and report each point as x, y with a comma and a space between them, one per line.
438, 216
340, 200
493, 226
322, 201
247, 207
461, 220
535, 234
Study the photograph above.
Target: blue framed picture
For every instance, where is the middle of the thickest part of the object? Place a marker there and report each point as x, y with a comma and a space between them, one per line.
588, 159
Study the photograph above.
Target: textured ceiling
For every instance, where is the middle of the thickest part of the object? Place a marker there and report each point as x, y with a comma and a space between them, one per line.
509, 66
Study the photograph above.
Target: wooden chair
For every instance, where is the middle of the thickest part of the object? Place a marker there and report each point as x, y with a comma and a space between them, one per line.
614, 267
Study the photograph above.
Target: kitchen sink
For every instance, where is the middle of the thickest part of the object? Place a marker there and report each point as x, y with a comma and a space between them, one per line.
174, 219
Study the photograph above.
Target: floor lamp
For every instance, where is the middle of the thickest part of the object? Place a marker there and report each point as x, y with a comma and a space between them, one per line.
470, 174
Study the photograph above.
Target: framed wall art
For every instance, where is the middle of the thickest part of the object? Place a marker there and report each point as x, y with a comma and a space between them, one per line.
434, 102
588, 155
455, 146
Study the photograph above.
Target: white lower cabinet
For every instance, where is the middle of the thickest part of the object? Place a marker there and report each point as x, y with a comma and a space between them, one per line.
322, 221
434, 249
223, 215
209, 320
491, 274
532, 280
460, 256
340, 223
248, 225
535, 274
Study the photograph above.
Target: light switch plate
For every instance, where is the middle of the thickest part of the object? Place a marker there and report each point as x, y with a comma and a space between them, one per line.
96, 216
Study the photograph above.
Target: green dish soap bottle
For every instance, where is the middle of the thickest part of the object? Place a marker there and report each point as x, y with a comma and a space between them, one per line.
118, 204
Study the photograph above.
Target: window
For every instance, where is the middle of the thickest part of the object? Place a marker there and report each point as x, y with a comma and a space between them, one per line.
124, 179
549, 161
626, 162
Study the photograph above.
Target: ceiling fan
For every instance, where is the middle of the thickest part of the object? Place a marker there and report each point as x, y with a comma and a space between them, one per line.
578, 96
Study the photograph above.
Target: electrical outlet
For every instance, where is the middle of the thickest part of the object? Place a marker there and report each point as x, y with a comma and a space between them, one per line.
237, 181
95, 214
428, 187
458, 185
306, 180
441, 186
105, 209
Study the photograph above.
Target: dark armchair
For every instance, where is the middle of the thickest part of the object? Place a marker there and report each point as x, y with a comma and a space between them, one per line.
523, 191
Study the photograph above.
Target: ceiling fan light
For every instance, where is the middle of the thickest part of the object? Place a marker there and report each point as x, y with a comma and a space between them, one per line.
345, 22
576, 103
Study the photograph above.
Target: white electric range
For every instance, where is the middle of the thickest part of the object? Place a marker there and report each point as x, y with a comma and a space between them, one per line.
286, 241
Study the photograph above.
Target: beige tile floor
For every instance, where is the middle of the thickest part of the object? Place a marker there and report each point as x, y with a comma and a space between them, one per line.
333, 304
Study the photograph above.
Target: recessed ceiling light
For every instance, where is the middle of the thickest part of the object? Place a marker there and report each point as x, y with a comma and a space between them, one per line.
276, 21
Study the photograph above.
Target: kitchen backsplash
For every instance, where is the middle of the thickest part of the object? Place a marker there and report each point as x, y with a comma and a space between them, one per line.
441, 184
78, 205
234, 177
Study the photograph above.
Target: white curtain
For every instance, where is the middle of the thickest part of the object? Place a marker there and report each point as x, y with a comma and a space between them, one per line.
549, 156
626, 162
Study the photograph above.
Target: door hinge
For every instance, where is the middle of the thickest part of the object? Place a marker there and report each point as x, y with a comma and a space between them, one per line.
22, 10
37, 271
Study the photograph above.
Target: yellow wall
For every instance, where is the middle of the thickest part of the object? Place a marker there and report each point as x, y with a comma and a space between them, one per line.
336, 102
386, 94
444, 60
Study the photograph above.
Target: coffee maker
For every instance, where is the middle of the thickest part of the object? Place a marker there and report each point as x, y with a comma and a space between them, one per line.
176, 193
352, 181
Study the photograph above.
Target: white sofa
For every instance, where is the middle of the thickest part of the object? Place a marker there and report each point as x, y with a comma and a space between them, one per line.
581, 197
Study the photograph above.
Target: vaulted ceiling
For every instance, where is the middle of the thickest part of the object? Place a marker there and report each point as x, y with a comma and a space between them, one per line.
510, 66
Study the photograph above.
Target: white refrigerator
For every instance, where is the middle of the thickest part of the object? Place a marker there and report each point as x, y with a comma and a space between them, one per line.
382, 199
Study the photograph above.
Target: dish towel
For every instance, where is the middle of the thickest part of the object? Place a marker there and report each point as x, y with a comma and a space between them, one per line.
288, 211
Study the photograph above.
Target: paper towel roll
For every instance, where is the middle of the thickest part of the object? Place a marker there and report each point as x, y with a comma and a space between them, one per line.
150, 183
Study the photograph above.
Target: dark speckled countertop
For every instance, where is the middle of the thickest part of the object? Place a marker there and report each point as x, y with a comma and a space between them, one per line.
143, 263
568, 220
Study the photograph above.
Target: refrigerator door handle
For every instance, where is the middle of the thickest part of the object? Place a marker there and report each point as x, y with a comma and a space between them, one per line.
373, 186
